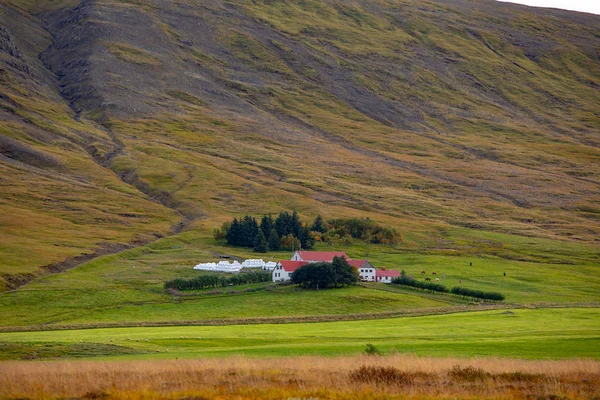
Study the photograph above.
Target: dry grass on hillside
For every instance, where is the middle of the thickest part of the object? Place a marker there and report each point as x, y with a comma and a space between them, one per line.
303, 377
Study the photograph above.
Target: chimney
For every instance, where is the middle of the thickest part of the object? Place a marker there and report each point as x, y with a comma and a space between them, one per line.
383, 268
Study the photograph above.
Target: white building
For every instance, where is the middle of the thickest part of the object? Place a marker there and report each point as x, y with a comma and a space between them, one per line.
386, 275
284, 269
366, 271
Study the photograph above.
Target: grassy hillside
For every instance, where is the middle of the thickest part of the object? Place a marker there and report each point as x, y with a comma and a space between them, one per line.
58, 199
471, 126
127, 288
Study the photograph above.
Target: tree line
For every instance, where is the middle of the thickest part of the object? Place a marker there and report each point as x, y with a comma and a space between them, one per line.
288, 232
361, 228
436, 287
323, 275
213, 280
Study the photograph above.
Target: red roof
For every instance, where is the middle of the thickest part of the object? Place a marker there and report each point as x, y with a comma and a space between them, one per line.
291, 266
392, 273
326, 256
357, 263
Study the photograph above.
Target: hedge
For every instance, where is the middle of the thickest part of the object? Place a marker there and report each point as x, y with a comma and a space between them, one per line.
477, 294
213, 280
436, 287
405, 280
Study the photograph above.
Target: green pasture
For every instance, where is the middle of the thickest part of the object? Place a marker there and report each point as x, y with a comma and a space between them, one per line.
128, 287
522, 333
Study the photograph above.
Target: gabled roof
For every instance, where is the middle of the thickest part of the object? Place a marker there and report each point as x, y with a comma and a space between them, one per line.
326, 256
359, 263
291, 266
392, 273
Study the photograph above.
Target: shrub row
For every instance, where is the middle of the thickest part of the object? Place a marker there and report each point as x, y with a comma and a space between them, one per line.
436, 287
212, 280
407, 281
477, 294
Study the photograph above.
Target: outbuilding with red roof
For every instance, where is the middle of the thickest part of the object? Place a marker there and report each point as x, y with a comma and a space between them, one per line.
284, 269
386, 275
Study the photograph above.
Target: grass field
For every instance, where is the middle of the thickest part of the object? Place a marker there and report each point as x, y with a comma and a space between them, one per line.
128, 287
522, 333
356, 377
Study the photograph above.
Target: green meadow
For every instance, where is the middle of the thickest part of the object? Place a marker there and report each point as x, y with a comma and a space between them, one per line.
524, 333
127, 288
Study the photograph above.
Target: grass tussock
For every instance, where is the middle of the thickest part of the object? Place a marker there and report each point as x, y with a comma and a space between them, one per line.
387, 375
323, 377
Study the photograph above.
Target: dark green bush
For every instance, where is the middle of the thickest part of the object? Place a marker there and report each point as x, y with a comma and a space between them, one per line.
407, 281
371, 350
214, 280
323, 275
479, 294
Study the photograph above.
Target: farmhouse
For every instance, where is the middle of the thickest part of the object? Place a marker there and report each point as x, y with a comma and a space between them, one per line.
366, 271
318, 256
283, 270
386, 275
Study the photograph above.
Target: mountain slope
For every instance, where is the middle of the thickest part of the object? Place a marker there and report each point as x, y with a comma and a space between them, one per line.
428, 115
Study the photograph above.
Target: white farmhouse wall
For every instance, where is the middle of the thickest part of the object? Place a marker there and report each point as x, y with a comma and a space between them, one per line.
367, 274
280, 274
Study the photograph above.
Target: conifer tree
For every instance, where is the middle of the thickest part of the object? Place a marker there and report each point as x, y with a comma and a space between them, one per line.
234, 234
260, 242
319, 225
266, 225
274, 241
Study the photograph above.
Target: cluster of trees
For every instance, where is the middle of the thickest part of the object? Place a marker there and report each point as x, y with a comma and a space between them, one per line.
286, 232
479, 294
322, 275
213, 280
346, 229
436, 287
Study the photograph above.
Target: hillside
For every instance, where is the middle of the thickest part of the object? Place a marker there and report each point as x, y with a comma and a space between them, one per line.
471, 126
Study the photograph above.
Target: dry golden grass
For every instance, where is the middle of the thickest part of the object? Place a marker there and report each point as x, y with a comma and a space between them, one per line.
397, 376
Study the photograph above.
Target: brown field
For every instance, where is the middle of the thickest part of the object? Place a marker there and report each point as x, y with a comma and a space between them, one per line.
357, 377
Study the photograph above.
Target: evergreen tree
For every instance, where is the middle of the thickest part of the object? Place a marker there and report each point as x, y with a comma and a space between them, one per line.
249, 231
319, 225
266, 225
274, 241
260, 242
295, 225
282, 224
306, 240
234, 234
